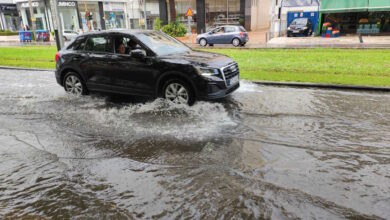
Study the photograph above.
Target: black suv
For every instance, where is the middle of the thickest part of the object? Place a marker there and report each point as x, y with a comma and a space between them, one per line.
300, 26
144, 63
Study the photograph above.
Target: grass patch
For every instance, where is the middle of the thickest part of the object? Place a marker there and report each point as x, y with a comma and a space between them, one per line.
319, 65
28, 56
334, 66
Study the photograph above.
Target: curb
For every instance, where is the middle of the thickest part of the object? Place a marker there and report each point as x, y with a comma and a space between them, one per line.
323, 86
24, 68
269, 83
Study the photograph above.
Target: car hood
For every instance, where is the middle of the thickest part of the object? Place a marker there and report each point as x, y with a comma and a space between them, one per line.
198, 58
202, 35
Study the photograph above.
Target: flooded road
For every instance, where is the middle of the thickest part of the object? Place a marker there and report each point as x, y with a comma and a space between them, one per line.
264, 152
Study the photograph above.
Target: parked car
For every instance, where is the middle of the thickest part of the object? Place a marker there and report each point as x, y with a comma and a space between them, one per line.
69, 34
300, 26
145, 63
228, 34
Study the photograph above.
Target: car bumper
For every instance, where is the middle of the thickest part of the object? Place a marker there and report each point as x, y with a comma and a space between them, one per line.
297, 32
218, 93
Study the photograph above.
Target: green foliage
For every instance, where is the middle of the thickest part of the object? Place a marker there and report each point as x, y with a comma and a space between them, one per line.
157, 24
8, 33
175, 29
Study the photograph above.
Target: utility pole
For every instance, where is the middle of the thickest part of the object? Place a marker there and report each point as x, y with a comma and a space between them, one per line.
57, 24
145, 22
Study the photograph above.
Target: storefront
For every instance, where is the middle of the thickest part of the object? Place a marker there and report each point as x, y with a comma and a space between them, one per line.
358, 16
40, 15
69, 15
208, 13
92, 8
9, 18
114, 15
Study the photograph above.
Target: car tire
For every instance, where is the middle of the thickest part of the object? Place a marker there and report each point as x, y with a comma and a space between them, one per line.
178, 92
236, 42
74, 84
203, 42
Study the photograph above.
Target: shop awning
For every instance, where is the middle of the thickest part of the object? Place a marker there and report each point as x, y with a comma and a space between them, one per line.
334, 6
379, 5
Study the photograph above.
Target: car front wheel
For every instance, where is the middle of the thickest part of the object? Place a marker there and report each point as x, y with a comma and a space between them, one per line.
203, 42
236, 42
74, 85
178, 92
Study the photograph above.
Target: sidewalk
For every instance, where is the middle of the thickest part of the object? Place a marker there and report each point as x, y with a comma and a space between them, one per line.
256, 40
340, 42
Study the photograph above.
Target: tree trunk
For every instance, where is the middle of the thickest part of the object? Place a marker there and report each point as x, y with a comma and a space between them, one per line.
172, 10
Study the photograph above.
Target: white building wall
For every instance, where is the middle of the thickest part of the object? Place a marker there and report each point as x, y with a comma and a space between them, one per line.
260, 14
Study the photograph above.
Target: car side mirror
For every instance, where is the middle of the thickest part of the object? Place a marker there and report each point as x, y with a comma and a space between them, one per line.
138, 53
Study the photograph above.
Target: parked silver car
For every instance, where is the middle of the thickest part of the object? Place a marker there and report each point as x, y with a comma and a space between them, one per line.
227, 34
69, 34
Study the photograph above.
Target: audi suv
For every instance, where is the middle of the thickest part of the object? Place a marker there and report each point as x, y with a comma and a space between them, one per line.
144, 63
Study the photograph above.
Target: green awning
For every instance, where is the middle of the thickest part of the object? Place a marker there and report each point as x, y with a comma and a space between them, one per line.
379, 5
334, 6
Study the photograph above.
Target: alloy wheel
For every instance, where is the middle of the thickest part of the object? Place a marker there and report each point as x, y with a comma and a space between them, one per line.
203, 42
236, 42
73, 85
177, 93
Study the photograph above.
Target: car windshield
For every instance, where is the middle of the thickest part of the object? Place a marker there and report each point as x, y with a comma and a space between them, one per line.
161, 44
300, 21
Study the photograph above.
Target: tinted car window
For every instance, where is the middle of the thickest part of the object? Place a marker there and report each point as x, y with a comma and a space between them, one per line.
230, 29
98, 44
162, 44
78, 44
300, 21
128, 43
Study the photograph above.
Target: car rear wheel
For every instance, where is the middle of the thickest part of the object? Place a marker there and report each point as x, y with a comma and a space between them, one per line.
236, 42
74, 85
203, 42
178, 92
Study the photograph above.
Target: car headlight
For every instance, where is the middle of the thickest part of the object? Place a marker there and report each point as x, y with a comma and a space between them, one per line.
304, 28
288, 28
207, 72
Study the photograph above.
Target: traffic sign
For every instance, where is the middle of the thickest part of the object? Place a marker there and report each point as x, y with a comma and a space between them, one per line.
189, 13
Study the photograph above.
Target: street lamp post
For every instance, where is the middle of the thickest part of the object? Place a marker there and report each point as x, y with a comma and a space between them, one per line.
145, 22
57, 24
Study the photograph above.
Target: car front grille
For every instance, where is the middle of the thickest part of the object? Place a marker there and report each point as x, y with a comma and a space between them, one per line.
230, 71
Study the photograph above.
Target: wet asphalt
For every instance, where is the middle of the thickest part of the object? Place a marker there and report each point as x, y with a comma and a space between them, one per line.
263, 152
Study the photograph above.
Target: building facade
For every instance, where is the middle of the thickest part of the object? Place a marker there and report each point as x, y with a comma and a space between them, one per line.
89, 15
9, 18
358, 16
282, 9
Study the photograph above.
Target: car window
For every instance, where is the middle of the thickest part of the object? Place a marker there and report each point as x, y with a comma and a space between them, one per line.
221, 30
98, 44
242, 29
162, 44
78, 44
230, 29
300, 21
128, 43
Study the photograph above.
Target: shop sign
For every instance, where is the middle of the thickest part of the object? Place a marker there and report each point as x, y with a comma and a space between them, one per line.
8, 8
26, 5
66, 4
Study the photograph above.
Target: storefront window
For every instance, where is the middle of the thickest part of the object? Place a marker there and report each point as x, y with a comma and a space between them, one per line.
68, 15
220, 12
114, 15
39, 14
93, 8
